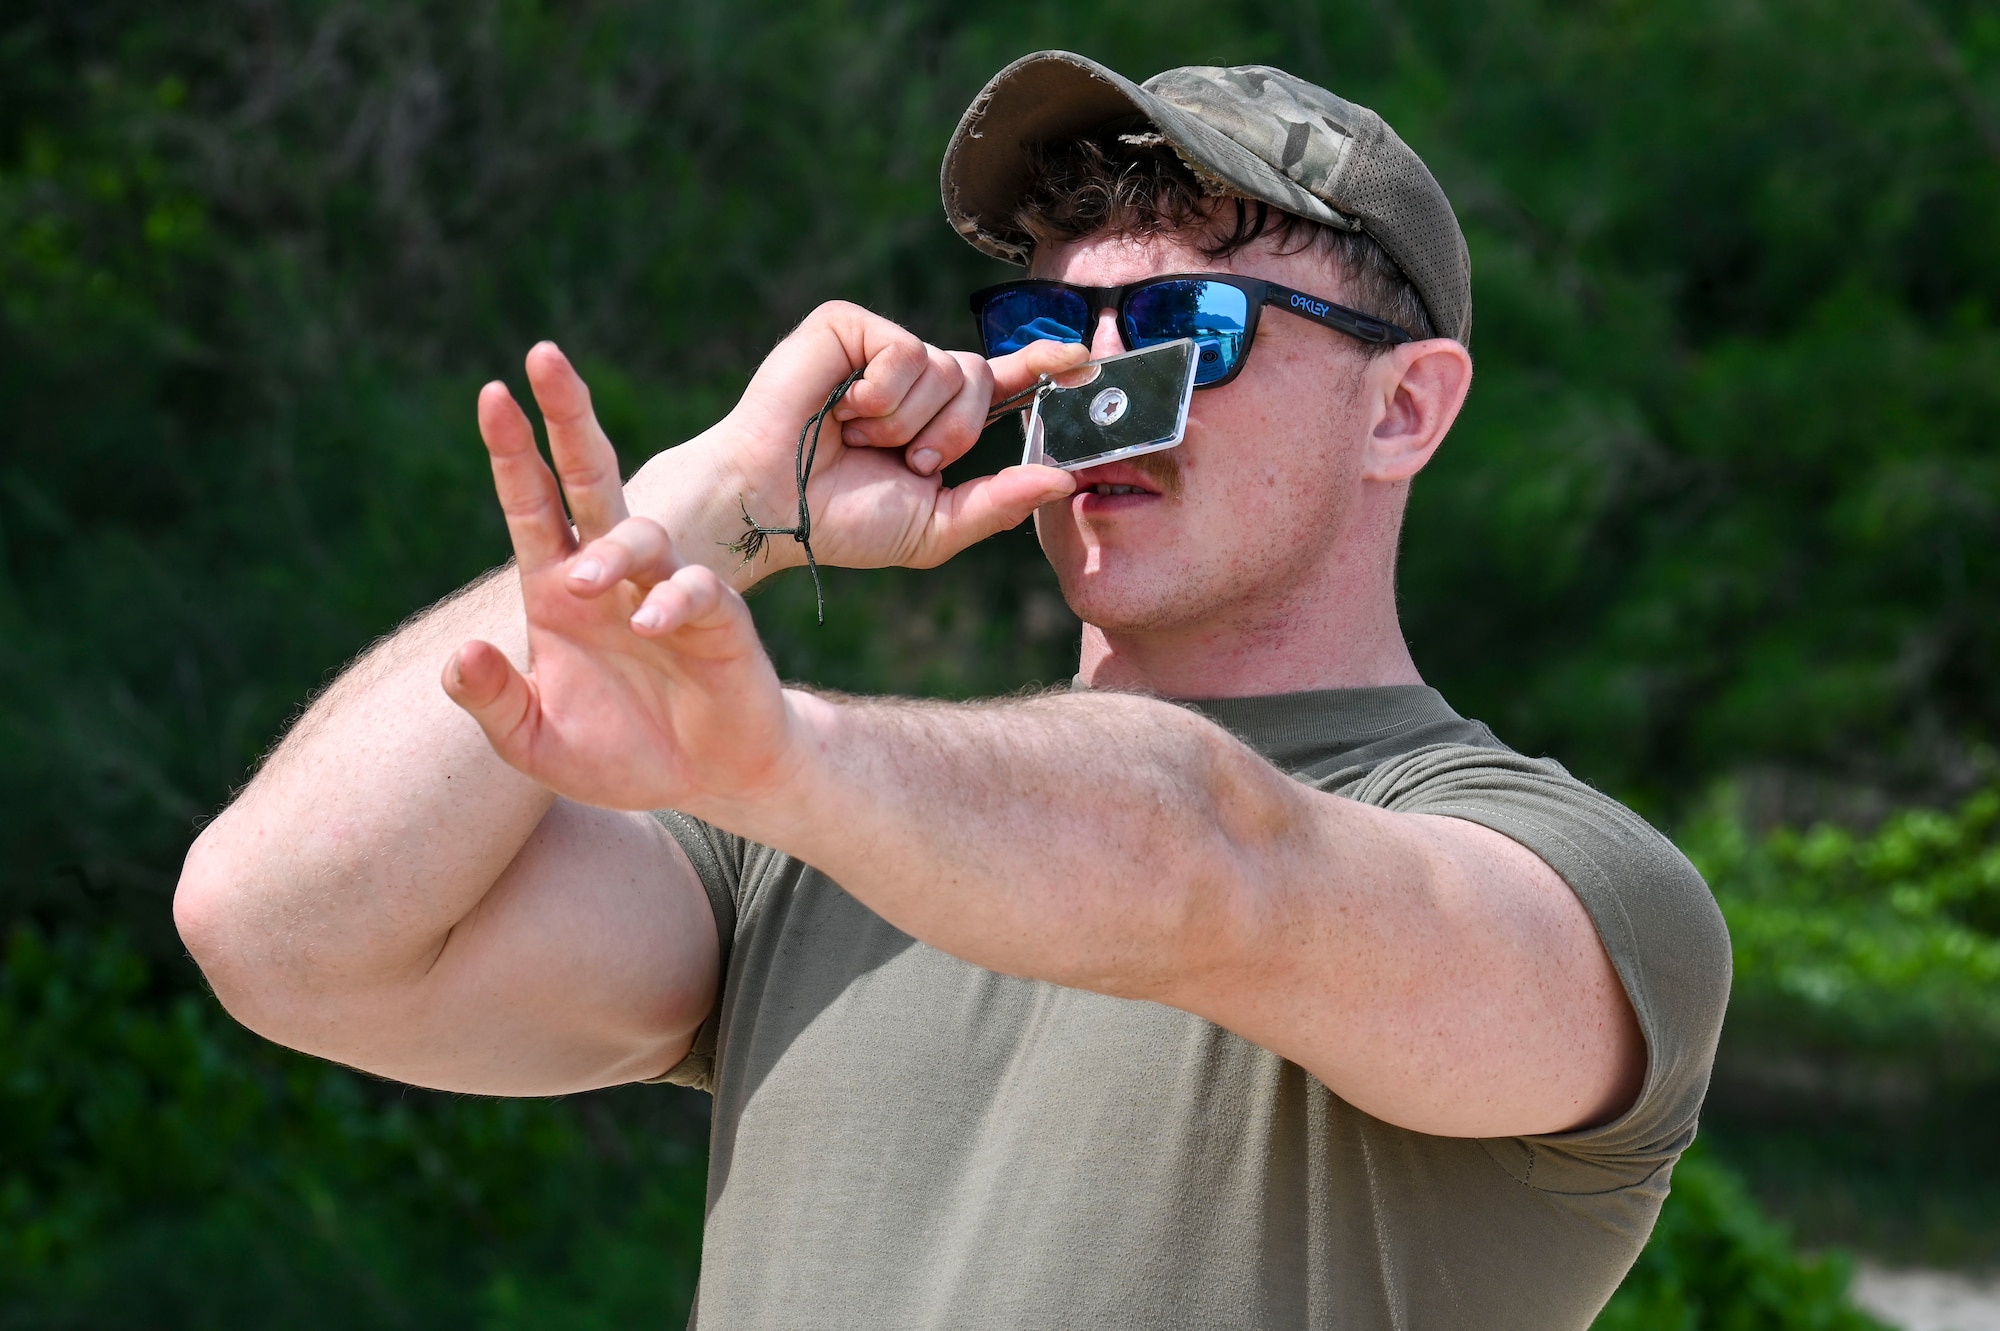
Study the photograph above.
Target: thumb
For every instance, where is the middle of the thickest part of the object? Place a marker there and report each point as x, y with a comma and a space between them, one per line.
969, 513
480, 679
1018, 370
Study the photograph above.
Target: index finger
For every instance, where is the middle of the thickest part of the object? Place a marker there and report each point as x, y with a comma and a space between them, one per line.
585, 461
528, 496
955, 428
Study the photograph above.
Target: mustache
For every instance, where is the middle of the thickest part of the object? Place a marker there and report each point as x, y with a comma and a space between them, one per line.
1162, 469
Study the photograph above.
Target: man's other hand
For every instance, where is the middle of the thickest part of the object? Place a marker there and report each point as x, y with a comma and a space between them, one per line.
876, 491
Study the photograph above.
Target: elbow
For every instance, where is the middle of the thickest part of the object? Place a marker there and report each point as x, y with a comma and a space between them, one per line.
213, 903
1237, 901
1219, 918
202, 901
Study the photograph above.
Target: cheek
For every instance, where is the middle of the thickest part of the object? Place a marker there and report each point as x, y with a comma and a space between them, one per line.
1055, 528
1239, 455
1268, 475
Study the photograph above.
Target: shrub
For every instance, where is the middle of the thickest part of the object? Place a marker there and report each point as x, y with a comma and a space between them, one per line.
1716, 1263
165, 1168
1863, 959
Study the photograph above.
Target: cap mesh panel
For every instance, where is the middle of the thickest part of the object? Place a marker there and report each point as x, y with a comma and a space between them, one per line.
1402, 207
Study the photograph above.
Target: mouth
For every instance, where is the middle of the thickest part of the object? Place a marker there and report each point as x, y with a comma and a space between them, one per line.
1130, 479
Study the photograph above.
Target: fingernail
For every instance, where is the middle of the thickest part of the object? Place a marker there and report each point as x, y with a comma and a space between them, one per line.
925, 460
588, 570
648, 617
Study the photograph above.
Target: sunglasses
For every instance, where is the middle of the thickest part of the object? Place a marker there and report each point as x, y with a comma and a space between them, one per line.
1216, 310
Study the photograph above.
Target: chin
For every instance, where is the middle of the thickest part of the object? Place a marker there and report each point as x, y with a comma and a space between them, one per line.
1133, 601
1136, 586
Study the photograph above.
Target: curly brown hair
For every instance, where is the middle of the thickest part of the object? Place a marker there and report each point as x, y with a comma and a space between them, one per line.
1135, 185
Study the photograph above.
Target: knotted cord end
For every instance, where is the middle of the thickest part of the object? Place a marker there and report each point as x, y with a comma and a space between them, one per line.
751, 543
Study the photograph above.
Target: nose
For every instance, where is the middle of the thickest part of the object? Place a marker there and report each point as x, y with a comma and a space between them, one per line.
1106, 340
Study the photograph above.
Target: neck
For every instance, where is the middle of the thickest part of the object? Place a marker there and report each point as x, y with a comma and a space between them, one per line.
1336, 628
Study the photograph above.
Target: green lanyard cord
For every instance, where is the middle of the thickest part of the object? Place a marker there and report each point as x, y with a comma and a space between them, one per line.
751, 543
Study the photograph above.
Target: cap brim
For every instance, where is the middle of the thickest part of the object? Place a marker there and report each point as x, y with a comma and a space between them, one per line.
1055, 95
1041, 97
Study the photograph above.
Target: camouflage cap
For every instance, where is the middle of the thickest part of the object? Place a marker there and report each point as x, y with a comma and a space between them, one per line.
1249, 131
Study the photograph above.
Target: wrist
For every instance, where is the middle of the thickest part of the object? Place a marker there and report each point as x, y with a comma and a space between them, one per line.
791, 796
698, 493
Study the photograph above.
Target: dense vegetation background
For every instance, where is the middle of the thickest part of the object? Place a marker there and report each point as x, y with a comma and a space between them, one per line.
1718, 529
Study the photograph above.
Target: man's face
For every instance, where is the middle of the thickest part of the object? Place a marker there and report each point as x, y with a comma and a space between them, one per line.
1252, 503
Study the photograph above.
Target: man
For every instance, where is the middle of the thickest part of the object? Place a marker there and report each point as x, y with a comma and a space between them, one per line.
1307, 1003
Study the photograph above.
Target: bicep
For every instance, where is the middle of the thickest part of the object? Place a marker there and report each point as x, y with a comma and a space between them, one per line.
591, 961
1442, 977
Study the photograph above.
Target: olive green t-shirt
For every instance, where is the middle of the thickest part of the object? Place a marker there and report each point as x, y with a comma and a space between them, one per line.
903, 1139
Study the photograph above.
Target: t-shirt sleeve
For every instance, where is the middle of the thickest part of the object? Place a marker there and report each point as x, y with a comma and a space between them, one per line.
1657, 919
718, 860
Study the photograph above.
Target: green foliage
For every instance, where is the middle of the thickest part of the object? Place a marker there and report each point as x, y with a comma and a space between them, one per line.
1725, 495
1715, 1263
1865, 955
1724, 492
164, 1168
1860, 1062
255, 261
1910, 1177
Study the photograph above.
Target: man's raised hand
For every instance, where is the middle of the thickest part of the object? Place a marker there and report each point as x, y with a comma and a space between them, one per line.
645, 684
645, 681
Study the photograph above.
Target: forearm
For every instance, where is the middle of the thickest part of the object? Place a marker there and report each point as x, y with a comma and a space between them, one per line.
1427, 969
378, 822
1109, 842
384, 816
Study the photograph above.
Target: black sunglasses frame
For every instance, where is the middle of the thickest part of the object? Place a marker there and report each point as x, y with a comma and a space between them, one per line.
1259, 293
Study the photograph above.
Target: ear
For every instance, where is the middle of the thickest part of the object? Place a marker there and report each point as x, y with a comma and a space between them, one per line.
1417, 390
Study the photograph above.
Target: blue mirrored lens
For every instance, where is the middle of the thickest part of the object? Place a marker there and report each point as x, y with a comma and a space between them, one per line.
1013, 319
1214, 314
